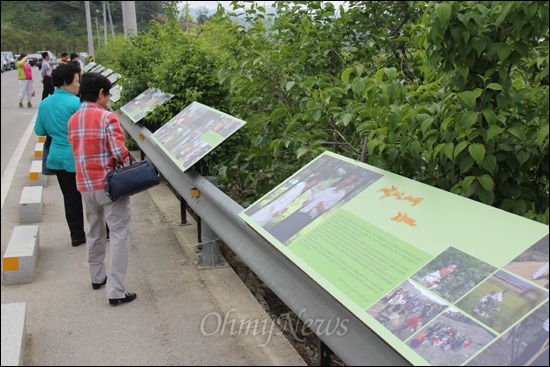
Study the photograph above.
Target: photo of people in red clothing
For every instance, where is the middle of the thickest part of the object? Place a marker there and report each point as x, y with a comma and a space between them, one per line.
450, 339
452, 274
406, 309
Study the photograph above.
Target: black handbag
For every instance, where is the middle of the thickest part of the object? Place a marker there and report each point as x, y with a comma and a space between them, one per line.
45, 152
124, 181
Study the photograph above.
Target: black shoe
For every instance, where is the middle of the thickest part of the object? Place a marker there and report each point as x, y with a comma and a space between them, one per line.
79, 242
20, 105
129, 297
29, 105
98, 285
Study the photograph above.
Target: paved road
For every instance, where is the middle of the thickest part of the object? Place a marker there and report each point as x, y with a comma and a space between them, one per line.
182, 315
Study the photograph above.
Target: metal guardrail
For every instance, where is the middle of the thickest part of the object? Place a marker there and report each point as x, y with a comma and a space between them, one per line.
354, 343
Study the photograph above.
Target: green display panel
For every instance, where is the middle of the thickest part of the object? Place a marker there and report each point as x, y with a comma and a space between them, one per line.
443, 279
194, 132
137, 108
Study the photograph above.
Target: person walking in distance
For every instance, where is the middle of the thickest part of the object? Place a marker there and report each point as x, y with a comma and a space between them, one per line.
97, 139
46, 76
76, 62
24, 74
51, 120
64, 58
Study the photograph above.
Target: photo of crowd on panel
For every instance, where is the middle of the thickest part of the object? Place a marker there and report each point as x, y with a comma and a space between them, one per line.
194, 132
137, 108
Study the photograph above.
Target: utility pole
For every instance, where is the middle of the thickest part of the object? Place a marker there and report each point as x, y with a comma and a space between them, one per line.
105, 24
129, 18
97, 30
111, 20
89, 28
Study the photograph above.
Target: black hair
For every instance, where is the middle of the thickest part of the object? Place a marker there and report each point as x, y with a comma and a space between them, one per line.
63, 74
91, 84
64, 54
73, 55
44, 54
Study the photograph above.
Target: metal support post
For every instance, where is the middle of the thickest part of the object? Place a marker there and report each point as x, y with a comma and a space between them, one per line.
325, 354
183, 212
209, 244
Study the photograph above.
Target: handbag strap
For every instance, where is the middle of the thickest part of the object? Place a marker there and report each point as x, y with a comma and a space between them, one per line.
132, 161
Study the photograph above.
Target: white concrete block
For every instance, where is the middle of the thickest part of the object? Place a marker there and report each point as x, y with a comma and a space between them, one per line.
38, 149
20, 258
35, 174
31, 204
13, 333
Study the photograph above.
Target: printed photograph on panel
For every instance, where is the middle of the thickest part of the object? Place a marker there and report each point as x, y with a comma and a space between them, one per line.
451, 339
502, 300
406, 309
526, 344
533, 263
452, 274
326, 184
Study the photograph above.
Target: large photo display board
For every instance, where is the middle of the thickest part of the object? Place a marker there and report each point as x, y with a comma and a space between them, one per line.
137, 108
443, 279
194, 132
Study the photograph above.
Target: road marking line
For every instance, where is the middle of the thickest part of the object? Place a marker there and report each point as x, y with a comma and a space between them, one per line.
9, 173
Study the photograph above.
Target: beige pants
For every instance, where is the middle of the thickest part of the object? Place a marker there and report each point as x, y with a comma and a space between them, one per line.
99, 210
25, 89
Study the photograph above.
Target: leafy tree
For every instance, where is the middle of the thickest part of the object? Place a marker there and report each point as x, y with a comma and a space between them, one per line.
452, 94
473, 120
60, 26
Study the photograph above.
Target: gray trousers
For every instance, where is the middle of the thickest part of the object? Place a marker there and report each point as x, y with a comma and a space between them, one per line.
99, 210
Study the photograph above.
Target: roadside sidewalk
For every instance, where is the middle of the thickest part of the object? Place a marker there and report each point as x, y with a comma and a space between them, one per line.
182, 315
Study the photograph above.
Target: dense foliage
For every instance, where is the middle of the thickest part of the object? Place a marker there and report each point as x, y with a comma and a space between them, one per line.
451, 94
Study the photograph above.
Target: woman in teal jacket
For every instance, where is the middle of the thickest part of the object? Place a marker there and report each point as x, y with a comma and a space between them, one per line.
52, 118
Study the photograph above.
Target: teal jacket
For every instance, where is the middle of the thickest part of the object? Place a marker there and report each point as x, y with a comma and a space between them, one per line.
52, 118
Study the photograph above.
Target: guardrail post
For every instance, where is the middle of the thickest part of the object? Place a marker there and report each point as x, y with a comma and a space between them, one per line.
183, 212
209, 243
325, 354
